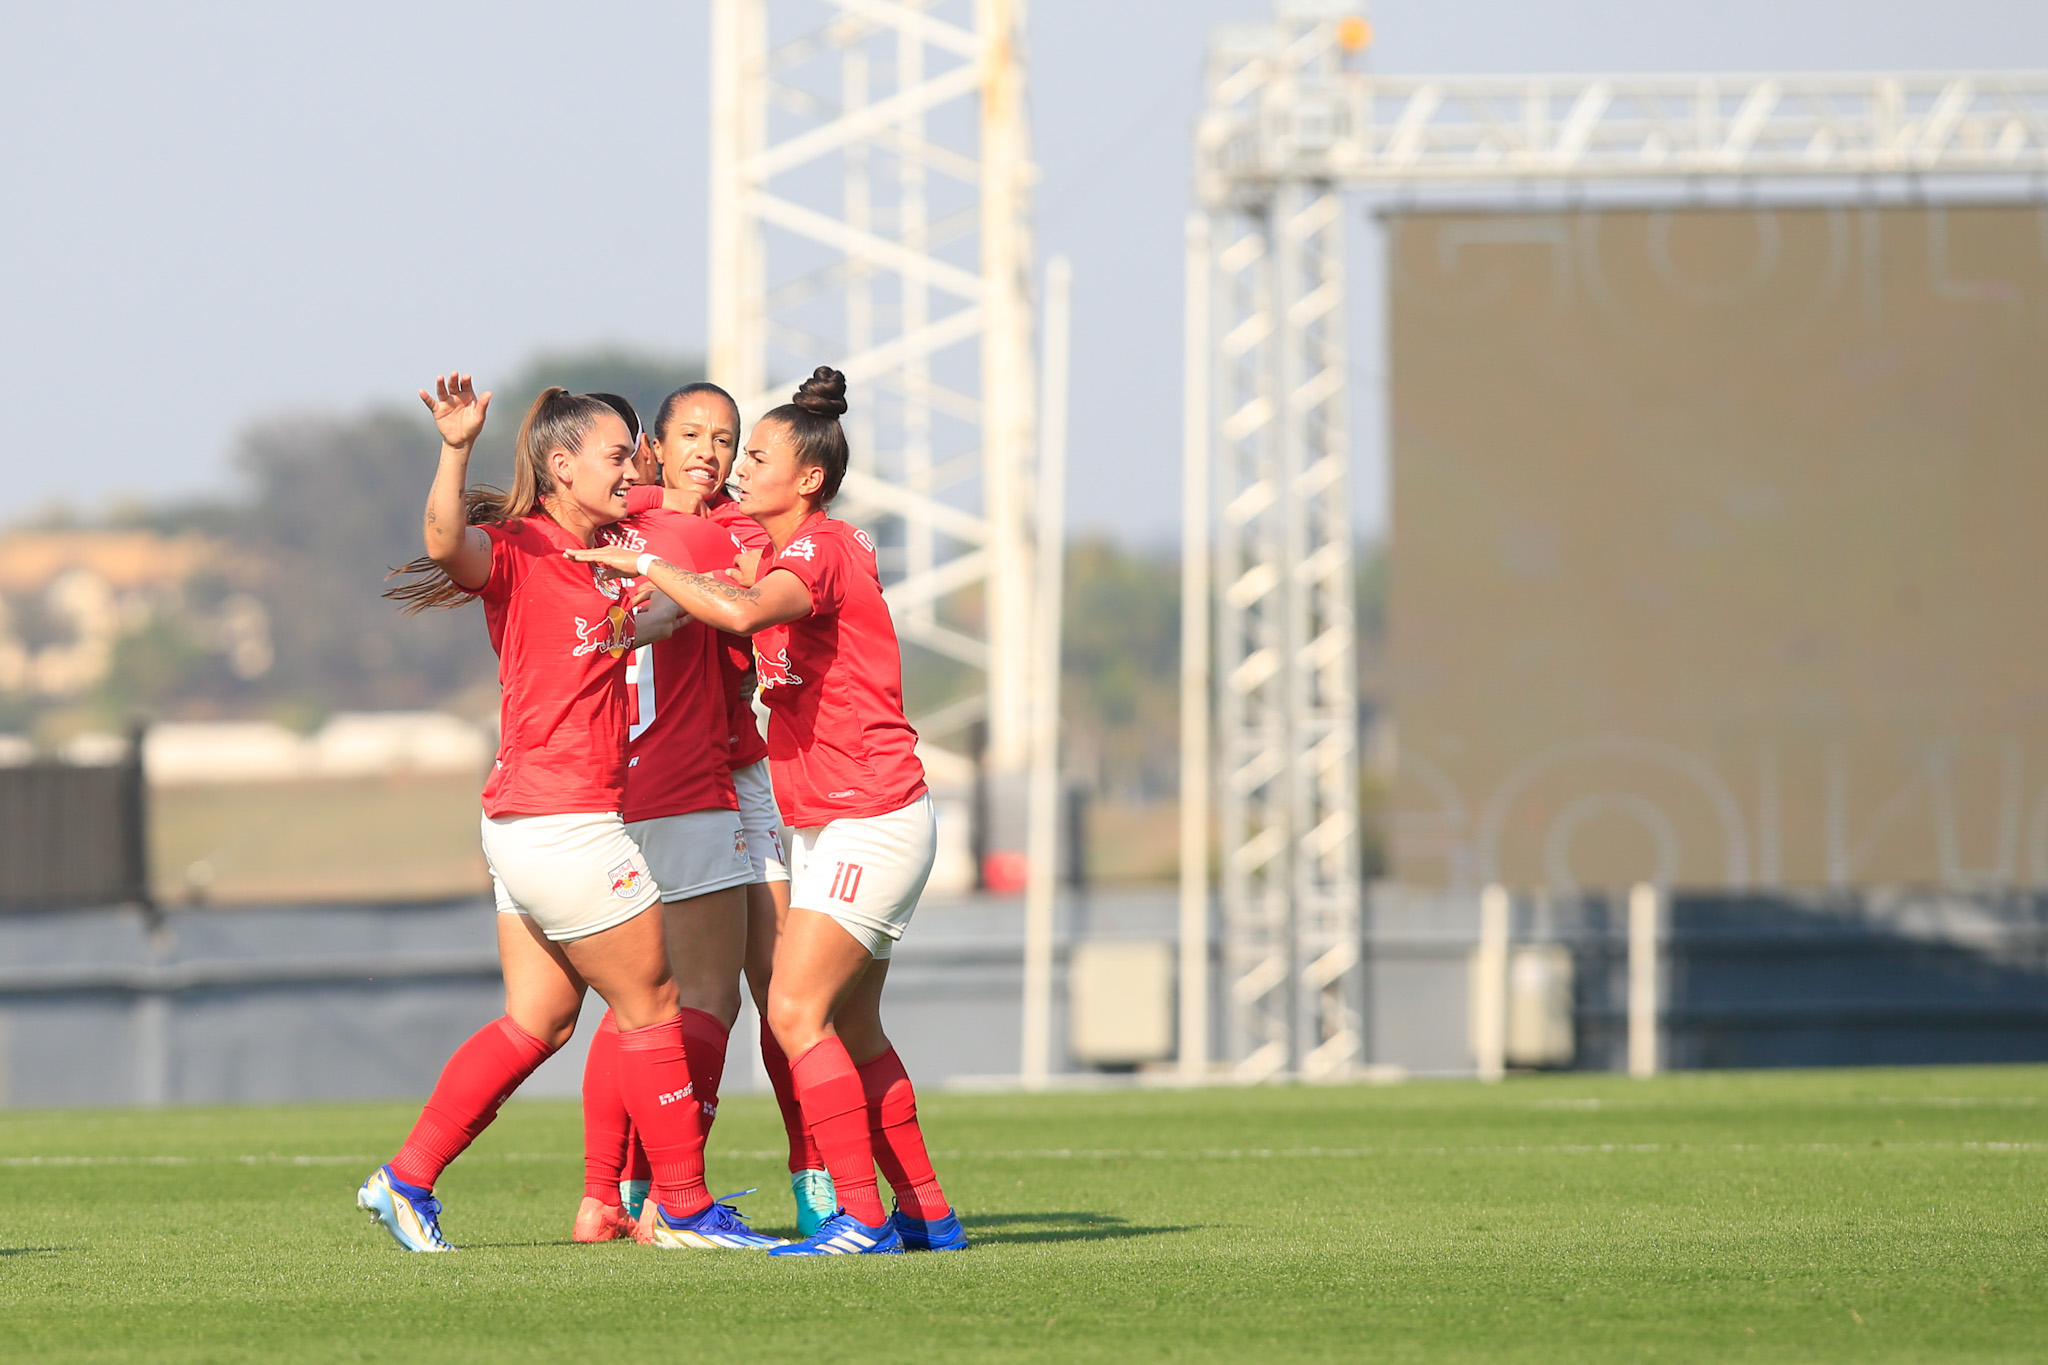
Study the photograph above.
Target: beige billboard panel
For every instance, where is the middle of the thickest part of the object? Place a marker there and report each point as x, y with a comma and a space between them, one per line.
1720, 549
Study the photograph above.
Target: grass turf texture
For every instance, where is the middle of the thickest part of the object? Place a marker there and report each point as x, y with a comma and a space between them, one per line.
1865, 1215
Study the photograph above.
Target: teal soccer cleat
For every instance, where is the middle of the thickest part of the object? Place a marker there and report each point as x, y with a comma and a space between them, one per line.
937, 1234
410, 1214
816, 1200
843, 1236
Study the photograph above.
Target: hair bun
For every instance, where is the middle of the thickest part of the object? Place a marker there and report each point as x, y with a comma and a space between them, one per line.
824, 393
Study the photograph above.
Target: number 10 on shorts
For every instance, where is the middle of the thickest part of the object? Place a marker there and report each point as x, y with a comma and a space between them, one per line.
845, 882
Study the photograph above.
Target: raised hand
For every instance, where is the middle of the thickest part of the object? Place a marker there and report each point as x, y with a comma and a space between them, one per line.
458, 409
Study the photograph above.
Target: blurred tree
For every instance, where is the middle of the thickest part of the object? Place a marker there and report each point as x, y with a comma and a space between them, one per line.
335, 505
1121, 671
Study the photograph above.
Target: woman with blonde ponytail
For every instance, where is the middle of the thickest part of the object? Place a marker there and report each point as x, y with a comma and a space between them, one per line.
573, 891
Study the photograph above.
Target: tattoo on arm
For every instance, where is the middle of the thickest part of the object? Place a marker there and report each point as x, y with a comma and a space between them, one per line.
709, 586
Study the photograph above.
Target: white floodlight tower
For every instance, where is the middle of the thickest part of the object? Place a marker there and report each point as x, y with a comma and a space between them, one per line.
1273, 388
870, 177
1288, 129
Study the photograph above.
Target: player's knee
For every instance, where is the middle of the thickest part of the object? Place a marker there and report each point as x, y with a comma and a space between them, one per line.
796, 1024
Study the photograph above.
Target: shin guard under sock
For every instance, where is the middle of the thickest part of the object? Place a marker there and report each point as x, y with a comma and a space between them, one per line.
898, 1141
836, 1112
481, 1075
607, 1128
704, 1040
654, 1077
803, 1153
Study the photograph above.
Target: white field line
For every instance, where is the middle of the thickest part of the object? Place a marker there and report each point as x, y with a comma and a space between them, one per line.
267, 1159
1855, 1101
1111, 1153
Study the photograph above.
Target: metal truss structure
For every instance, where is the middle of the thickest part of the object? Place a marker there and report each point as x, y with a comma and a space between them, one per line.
869, 198
1290, 128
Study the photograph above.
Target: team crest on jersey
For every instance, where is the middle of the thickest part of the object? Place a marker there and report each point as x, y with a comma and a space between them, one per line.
805, 549
773, 671
739, 844
610, 634
628, 879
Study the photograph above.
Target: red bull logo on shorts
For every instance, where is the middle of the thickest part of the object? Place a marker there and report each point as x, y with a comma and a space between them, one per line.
628, 880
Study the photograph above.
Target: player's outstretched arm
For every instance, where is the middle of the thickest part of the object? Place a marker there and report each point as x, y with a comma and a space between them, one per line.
780, 596
463, 551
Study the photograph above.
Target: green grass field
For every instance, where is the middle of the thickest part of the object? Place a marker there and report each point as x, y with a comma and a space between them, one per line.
1867, 1215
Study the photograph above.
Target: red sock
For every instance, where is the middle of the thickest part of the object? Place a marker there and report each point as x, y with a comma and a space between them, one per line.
836, 1110
803, 1153
899, 1142
704, 1041
654, 1077
607, 1128
636, 1167
480, 1076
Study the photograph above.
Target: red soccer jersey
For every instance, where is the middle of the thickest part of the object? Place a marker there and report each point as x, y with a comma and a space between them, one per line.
748, 747
838, 744
750, 534
678, 686
743, 732
562, 635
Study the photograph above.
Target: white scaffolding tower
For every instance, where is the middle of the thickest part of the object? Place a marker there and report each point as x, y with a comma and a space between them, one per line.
1289, 129
869, 210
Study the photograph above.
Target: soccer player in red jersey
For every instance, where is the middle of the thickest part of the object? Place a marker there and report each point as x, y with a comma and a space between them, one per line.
572, 889
682, 811
696, 442
850, 785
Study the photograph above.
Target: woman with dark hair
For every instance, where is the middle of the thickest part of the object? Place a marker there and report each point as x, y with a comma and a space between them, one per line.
850, 785
682, 811
694, 443
572, 889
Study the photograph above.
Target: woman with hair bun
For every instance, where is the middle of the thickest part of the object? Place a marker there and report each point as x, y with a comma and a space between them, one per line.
695, 442
573, 891
850, 786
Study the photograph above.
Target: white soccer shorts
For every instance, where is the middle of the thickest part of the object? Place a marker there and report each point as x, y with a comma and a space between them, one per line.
867, 874
695, 853
762, 820
573, 875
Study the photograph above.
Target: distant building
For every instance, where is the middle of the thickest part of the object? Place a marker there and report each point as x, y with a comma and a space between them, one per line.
68, 597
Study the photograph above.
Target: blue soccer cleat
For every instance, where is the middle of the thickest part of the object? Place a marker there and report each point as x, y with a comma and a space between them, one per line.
717, 1227
816, 1200
843, 1236
410, 1214
937, 1234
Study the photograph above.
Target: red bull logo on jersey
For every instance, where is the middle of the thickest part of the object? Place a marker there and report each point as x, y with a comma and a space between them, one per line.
773, 670
629, 879
611, 633
805, 549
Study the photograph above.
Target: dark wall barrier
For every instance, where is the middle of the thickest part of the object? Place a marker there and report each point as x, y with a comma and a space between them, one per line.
74, 836
1868, 979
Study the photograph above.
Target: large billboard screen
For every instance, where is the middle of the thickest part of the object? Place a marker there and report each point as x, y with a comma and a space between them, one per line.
1720, 547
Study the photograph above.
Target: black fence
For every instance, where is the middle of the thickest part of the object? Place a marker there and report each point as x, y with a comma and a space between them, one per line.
73, 835
1864, 978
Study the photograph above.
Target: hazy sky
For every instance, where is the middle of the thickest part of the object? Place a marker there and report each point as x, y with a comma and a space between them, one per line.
214, 212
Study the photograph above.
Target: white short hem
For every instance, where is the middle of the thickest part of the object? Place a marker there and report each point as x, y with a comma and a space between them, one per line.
584, 931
